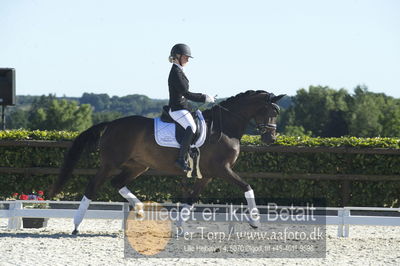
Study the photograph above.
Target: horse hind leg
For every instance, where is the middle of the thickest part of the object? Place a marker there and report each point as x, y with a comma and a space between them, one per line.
90, 192
128, 174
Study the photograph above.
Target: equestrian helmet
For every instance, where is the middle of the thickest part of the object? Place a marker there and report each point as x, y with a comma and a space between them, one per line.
181, 49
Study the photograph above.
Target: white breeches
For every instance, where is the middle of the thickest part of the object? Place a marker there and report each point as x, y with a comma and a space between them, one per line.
184, 118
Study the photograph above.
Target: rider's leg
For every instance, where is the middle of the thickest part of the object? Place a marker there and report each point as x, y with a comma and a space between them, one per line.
185, 145
185, 119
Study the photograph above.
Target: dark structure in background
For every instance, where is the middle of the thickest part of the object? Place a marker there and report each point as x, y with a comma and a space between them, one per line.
7, 91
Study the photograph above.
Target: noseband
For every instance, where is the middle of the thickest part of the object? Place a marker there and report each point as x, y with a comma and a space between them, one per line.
271, 125
264, 128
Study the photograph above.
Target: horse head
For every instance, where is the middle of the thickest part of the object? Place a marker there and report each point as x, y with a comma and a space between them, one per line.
258, 105
266, 116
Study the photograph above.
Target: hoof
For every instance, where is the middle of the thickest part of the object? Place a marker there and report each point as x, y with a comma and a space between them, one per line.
254, 225
75, 232
139, 209
254, 219
140, 214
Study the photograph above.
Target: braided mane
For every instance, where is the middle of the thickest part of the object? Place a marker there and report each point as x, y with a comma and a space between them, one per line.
234, 99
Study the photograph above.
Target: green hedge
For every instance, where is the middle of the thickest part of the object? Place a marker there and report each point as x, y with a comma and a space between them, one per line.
364, 193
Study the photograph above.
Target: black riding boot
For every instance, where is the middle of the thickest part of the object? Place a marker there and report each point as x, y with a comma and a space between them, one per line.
185, 145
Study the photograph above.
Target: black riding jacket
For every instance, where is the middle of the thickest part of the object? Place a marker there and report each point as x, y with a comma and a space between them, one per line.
179, 90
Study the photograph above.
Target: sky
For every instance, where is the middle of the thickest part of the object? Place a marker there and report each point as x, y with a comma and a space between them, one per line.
121, 47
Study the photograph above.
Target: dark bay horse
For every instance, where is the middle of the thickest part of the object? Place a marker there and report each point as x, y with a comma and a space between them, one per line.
127, 144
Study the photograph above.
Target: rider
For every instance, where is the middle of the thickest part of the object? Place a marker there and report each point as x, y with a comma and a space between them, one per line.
178, 95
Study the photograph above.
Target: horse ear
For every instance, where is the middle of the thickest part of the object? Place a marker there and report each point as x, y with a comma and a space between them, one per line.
276, 99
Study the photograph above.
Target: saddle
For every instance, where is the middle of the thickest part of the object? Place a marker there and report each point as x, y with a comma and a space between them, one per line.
169, 133
179, 130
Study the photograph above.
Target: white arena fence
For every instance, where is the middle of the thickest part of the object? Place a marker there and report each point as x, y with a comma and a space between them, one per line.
343, 217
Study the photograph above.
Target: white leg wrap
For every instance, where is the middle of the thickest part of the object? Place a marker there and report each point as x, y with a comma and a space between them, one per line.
80, 213
127, 194
251, 204
249, 194
184, 215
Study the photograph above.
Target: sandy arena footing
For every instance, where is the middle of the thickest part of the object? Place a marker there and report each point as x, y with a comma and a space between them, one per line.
101, 242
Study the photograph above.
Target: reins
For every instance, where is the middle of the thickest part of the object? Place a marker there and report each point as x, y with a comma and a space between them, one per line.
252, 123
262, 128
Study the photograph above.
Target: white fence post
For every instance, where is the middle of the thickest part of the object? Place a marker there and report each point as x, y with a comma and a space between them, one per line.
346, 226
125, 209
14, 222
340, 225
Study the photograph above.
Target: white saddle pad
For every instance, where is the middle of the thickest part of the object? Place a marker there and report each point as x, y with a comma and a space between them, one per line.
165, 133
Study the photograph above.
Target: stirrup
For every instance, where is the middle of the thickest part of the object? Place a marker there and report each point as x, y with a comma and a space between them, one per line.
181, 163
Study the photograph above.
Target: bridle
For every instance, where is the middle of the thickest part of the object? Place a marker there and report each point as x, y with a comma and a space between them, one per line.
271, 124
263, 127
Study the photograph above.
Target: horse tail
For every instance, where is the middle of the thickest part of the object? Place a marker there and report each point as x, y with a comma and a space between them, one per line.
86, 140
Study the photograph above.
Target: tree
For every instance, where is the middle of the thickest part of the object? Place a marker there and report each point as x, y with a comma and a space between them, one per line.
100, 102
17, 119
37, 114
319, 110
49, 113
365, 112
391, 120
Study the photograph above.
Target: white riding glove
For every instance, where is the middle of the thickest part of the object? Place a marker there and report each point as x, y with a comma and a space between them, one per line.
210, 99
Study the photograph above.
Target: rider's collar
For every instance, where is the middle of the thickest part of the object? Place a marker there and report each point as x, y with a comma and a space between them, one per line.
178, 65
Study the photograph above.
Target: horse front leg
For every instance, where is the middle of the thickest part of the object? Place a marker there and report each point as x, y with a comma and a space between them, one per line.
199, 186
254, 215
189, 200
